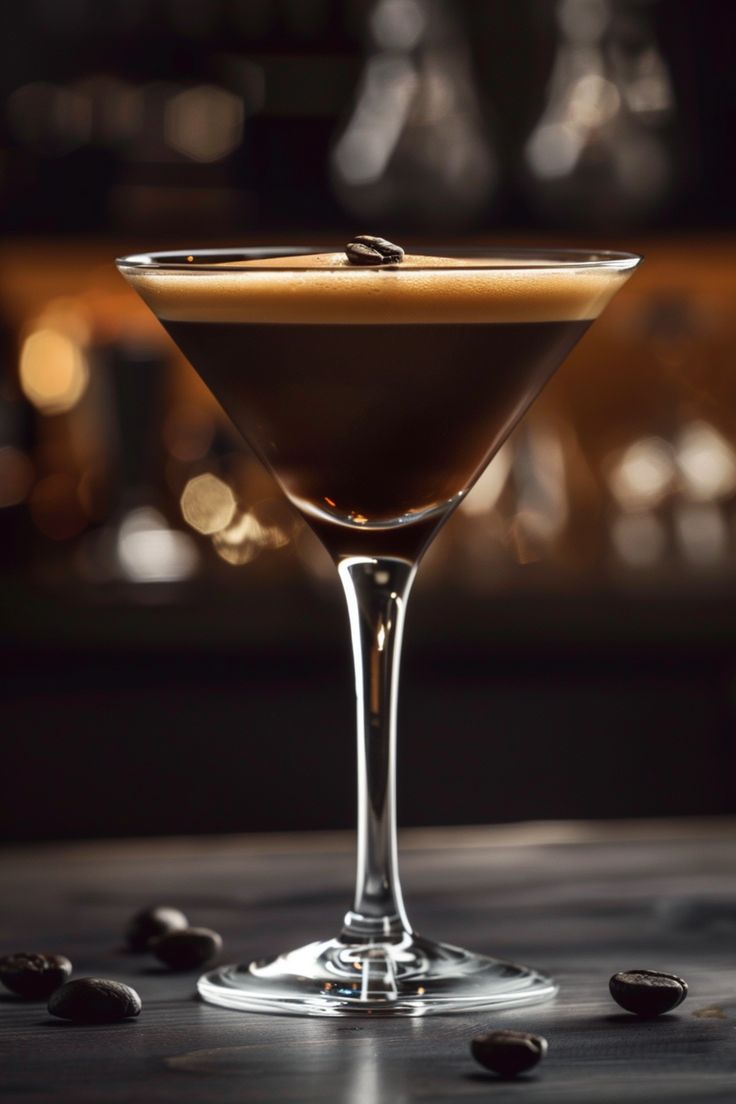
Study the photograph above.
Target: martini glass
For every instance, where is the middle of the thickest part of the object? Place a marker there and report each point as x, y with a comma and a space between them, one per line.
376, 396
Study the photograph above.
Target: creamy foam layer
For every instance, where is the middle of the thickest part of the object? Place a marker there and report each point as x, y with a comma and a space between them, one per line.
325, 289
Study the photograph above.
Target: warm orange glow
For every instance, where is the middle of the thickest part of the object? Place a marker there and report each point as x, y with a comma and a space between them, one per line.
188, 432
330, 502
67, 314
53, 370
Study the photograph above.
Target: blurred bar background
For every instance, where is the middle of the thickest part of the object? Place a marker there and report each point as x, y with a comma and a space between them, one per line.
168, 630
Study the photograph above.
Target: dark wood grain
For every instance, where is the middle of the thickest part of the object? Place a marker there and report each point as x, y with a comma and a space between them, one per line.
581, 900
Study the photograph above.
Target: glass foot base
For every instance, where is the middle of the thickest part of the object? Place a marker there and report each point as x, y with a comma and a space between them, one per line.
411, 977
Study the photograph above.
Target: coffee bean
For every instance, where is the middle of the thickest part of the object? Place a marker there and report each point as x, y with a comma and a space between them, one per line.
647, 993
183, 950
508, 1053
152, 923
364, 249
34, 975
95, 1000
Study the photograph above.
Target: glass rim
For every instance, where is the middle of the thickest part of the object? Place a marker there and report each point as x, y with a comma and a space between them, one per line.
186, 260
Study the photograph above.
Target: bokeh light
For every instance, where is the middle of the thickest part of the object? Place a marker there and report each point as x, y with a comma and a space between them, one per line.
149, 551
207, 503
53, 370
49, 118
643, 474
204, 123
241, 542
701, 533
640, 540
706, 461
268, 525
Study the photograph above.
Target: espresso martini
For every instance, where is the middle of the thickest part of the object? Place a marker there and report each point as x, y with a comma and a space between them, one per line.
376, 395
376, 387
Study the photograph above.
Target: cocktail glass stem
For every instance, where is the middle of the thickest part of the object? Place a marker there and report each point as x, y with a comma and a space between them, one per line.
377, 964
376, 591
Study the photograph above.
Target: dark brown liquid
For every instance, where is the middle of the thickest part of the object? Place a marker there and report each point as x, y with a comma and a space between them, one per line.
375, 430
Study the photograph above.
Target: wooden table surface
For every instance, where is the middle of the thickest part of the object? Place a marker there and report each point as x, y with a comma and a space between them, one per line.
581, 900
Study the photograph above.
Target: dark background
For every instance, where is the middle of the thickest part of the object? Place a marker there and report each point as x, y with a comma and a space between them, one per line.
297, 66
570, 648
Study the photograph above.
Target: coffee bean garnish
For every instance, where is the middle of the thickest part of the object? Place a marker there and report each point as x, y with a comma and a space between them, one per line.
508, 1053
95, 1000
183, 950
152, 923
34, 975
364, 249
647, 993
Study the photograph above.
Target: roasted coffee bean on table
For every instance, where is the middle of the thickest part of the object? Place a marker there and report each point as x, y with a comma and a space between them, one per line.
152, 923
508, 1053
647, 993
364, 249
183, 950
95, 1000
34, 975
